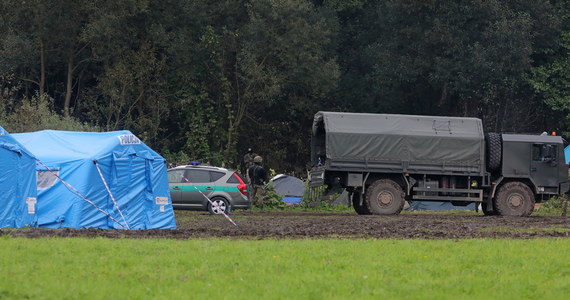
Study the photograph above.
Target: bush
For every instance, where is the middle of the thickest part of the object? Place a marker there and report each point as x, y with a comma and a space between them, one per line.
37, 114
554, 206
272, 199
178, 158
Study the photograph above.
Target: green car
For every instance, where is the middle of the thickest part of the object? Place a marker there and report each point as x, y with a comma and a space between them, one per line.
207, 188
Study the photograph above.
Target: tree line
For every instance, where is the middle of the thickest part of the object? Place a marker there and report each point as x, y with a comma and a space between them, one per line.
206, 79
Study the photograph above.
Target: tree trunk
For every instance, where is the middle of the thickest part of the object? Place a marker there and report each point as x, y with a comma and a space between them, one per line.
69, 88
443, 96
42, 68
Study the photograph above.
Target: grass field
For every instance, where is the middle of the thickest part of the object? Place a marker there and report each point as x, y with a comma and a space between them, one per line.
81, 268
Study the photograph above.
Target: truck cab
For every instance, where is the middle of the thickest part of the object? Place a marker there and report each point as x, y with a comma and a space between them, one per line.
536, 159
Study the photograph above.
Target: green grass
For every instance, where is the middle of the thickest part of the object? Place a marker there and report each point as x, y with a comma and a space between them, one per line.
81, 268
525, 230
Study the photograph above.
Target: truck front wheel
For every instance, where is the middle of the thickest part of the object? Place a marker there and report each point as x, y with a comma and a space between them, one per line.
385, 197
514, 199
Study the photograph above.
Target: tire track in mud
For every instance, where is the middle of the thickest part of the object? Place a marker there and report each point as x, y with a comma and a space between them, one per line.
299, 225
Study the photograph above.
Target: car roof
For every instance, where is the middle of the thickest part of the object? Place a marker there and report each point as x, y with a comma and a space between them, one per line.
201, 167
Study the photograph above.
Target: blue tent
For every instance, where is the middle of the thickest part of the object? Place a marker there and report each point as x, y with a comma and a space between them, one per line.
17, 184
567, 154
100, 180
291, 188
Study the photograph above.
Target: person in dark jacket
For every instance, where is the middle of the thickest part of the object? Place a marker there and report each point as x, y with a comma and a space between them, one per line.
258, 177
248, 162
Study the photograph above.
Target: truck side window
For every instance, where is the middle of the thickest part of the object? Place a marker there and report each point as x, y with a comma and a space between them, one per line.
543, 152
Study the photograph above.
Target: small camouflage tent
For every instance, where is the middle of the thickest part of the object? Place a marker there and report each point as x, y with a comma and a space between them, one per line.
291, 188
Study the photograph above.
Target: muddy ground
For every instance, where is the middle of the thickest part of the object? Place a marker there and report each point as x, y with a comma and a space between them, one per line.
278, 225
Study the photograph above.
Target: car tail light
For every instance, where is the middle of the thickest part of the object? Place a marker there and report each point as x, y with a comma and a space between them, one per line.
242, 187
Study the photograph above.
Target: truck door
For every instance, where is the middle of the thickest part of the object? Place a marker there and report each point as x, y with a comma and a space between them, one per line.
544, 165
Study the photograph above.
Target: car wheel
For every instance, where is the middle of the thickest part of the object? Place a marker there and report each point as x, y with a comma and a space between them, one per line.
219, 205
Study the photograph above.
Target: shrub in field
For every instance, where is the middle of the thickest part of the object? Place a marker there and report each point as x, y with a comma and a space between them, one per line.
272, 199
38, 113
554, 207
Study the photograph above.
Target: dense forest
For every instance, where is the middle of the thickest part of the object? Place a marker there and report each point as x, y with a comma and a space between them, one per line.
205, 79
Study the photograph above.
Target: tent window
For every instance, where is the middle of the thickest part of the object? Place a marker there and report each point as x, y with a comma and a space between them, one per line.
46, 179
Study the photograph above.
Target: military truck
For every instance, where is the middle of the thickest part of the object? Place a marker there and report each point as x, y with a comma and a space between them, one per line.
383, 160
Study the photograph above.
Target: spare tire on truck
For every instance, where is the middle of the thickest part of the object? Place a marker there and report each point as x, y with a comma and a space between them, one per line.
494, 151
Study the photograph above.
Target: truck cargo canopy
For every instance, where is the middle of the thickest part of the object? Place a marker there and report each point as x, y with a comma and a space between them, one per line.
384, 140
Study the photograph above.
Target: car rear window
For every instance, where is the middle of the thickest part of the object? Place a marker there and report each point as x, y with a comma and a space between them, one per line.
216, 175
234, 179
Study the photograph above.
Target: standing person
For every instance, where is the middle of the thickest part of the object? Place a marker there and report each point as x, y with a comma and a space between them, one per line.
248, 162
258, 176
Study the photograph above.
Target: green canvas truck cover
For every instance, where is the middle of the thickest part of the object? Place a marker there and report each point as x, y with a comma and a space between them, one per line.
398, 143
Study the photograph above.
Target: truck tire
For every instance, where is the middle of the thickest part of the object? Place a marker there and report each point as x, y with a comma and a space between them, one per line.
494, 152
385, 197
514, 199
360, 209
487, 212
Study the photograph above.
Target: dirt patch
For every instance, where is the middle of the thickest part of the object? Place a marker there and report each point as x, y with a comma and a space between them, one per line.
277, 225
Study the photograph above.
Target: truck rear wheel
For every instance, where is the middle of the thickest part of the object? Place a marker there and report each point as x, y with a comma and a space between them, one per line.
514, 199
494, 151
385, 197
360, 209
